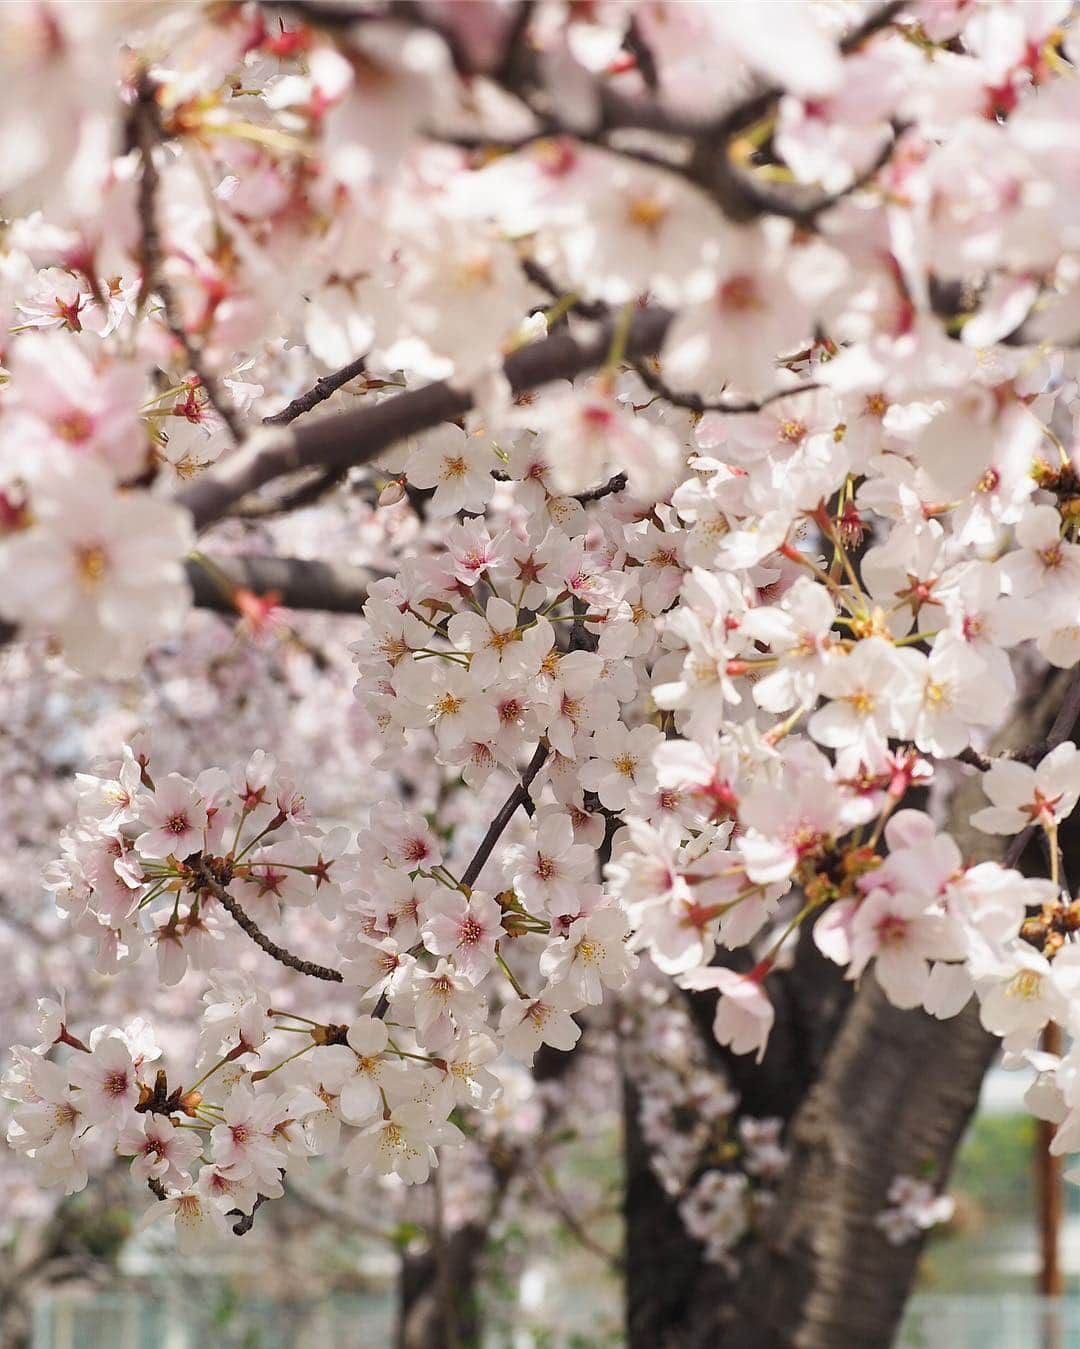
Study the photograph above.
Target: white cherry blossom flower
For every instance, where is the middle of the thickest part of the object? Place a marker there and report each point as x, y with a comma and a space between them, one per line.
1023, 795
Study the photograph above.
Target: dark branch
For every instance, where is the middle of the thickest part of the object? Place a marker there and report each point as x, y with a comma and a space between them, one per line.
246, 1221
320, 391
974, 759
609, 488
332, 587
1060, 731
1038, 749
642, 53
300, 583
517, 797
206, 880
693, 402
357, 436
306, 493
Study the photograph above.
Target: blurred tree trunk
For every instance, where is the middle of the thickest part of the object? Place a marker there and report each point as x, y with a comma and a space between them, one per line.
871, 1092
422, 1316
424, 1288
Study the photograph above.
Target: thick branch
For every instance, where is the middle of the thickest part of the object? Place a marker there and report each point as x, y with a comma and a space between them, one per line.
300, 583
357, 436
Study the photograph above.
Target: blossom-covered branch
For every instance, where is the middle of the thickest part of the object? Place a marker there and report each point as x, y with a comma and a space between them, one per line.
206, 880
711, 474
360, 435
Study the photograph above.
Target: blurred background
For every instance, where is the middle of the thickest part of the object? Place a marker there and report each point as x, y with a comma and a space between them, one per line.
544, 1279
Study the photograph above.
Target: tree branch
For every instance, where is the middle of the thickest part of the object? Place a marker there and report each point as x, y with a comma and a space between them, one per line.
1062, 728
357, 436
1060, 731
606, 489
517, 797
694, 402
300, 583
320, 391
146, 134
206, 880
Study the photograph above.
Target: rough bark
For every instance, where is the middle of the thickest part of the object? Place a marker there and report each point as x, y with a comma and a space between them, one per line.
895, 1096
674, 1298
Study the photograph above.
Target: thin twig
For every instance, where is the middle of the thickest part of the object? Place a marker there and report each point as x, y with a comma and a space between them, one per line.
1038, 749
206, 880
147, 136
320, 391
575, 1225
307, 493
806, 213
606, 489
694, 402
516, 798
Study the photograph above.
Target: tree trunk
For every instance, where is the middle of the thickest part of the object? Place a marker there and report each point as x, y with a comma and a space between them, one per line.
674, 1298
422, 1319
872, 1094
896, 1096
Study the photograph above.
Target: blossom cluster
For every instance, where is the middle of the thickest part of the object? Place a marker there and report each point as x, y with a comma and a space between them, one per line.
716, 606
718, 1162
914, 1208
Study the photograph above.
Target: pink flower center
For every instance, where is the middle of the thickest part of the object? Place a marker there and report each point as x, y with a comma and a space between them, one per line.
74, 426
115, 1083
596, 417
739, 294
414, 850
892, 930
470, 932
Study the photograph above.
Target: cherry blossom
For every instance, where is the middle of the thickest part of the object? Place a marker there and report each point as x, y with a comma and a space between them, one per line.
466, 928
673, 415
1045, 794
744, 1014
